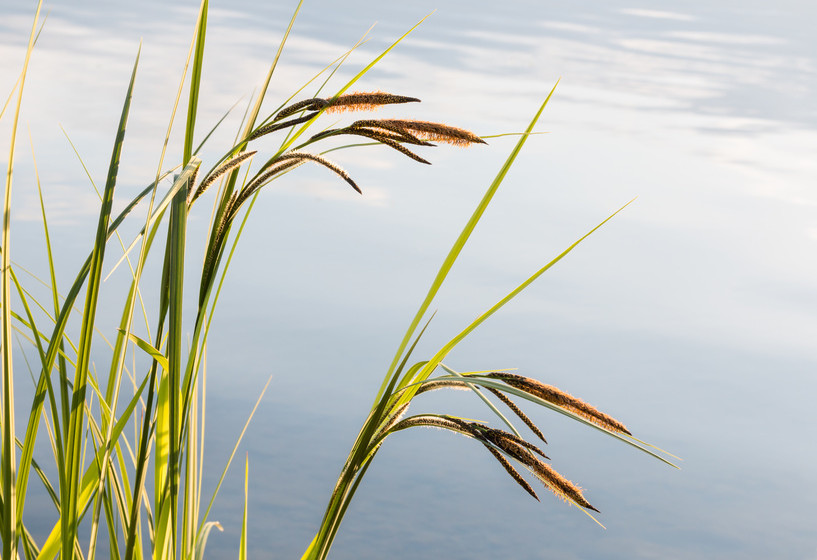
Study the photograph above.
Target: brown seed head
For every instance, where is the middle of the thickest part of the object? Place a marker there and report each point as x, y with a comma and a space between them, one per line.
512, 471
436, 132
559, 485
516, 410
560, 398
365, 101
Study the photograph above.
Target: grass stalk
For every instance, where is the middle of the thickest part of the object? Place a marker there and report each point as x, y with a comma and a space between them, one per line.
11, 517
131, 468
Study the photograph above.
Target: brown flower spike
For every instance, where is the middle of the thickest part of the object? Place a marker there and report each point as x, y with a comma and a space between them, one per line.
558, 397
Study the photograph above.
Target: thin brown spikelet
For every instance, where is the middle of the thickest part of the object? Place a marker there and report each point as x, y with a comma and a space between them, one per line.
512, 471
221, 232
516, 410
565, 400
259, 181
436, 132
275, 125
322, 161
433, 385
559, 485
392, 419
314, 104
228, 165
192, 181
433, 421
397, 133
402, 149
515, 446
365, 101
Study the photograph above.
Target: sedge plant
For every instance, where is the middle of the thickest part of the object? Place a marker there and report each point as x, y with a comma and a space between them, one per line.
127, 458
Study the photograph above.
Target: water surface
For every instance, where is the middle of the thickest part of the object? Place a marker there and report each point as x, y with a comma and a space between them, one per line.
691, 316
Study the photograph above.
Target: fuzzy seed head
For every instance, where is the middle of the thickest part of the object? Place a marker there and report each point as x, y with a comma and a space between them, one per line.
365, 101
560, 398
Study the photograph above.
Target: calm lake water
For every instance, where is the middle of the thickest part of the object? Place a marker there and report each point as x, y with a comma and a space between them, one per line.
692, 316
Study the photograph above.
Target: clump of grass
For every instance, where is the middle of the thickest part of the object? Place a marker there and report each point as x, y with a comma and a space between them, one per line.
143, 491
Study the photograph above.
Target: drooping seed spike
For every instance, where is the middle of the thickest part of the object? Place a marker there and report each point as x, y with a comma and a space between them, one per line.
322, 161
261, 180
560, 486
433, 385
402, 149
436, 132
433, 421
510, 443
512, 471
398, 134
365, 101
393, 419
275, 125
565, 400
225, 167
521, 415
314, 104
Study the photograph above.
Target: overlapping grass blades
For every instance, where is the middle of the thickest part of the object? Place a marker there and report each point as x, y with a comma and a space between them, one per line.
400, 385
142, 492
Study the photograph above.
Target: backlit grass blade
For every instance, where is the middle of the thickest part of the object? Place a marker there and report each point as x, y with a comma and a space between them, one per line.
484, 399
242, 545
487, 382
8, 468
27, 448
456, 249
68, 498
443, 352
230, 459
55, 342
229, 184
205, 533
156, 215
177, 235
150, 350
195, 81
62, 367
351, 82
91, 477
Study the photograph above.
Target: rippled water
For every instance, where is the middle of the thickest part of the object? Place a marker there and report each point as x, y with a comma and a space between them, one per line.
692, 316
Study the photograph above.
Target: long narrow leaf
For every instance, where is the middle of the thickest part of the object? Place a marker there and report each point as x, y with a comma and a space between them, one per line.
443, 352
195, 81
456, 249
8, 469
69, 496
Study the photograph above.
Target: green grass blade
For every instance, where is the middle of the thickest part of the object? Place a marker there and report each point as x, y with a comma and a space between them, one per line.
351, 82
443, 352
27, 450
62, 367
157, 214
242, 545
484, 399
195, 81
55, 342
91, 477
230, 182
8, 468
488, 382
150, 350
456, 249
69, 494
177, 235
230, 459
202, 542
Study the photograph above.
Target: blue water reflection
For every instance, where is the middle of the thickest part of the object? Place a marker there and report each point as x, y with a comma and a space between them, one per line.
692, 316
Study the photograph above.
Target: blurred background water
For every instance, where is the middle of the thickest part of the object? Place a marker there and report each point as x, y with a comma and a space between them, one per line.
692, 316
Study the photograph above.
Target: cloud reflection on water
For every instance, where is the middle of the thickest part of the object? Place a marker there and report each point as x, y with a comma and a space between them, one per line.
693, 313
